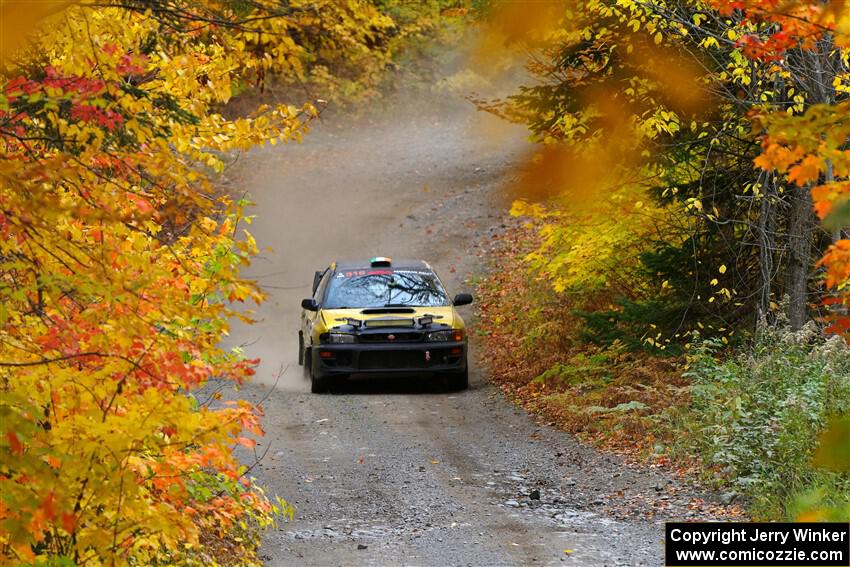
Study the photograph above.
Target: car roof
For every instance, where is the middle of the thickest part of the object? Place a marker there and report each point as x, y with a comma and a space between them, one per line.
396, 264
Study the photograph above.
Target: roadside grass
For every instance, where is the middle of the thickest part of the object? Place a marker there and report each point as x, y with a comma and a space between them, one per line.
756, 417
746, 422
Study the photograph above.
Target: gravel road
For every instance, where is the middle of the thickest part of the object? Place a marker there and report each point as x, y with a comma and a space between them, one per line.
398, 472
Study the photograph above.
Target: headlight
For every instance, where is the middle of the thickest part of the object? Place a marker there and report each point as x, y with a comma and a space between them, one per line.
338, 338
455, 335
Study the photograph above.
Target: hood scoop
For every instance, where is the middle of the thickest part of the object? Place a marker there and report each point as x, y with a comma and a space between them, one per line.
389, 322
382, 310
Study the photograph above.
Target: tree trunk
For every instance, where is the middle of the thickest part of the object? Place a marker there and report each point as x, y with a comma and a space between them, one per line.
816, 69
800, 228
767, 245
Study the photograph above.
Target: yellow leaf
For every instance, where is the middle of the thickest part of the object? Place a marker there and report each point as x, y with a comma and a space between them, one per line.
18, 19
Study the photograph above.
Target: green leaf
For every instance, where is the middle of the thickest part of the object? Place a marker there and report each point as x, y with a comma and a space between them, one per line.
834, 450
839, 217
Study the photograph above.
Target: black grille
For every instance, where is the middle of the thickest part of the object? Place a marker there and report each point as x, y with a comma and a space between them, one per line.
387, 359
385, 337
405, 359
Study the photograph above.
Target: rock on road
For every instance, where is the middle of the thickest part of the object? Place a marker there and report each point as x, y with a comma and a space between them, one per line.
398, 472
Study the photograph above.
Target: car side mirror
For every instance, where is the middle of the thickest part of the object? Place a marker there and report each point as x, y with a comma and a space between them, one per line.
462, 299
310, 304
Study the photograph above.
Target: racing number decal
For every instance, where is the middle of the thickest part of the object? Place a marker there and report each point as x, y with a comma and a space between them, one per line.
352, 273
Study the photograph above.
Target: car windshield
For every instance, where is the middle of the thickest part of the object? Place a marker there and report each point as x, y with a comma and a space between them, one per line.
353, 289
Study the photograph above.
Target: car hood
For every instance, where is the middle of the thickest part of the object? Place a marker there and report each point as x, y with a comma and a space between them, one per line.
443, 315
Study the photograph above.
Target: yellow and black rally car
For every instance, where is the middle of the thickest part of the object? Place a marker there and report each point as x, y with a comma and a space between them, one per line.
382, 317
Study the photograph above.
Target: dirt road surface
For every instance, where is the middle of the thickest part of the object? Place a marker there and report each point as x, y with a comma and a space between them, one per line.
399, 472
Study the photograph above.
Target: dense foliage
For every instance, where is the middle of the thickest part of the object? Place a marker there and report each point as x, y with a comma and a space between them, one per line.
755, 418
672, 103
120, 262
687, 150
611, 395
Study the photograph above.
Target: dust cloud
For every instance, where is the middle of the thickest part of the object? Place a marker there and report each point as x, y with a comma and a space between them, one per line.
361, 188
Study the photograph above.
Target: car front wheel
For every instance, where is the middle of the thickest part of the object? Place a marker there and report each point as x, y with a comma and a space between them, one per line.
300, 348
458, 380
318, 384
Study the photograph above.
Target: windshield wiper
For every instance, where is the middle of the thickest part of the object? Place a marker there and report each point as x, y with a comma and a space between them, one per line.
397, 305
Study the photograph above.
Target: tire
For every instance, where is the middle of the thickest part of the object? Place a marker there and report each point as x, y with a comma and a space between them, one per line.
458, 380
300, 348
318, 384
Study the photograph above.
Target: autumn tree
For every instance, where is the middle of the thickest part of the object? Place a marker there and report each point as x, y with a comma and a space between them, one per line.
806, 43
120, 265
678, 97
739, 180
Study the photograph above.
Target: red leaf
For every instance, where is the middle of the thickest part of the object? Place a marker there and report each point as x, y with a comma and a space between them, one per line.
142, 205
69, 522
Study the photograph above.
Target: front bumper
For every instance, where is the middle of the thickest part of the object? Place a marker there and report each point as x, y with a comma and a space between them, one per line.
388, 358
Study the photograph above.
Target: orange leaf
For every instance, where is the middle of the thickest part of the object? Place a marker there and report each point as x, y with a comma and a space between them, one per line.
779, 157
48, 505
14, 443
806, 171
822, 208
811, 516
